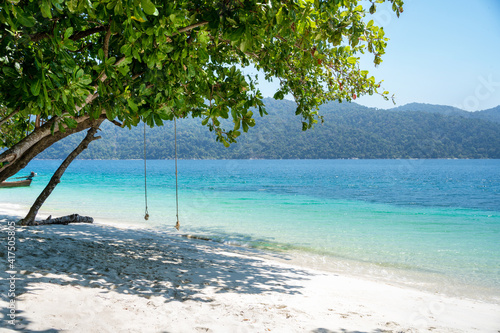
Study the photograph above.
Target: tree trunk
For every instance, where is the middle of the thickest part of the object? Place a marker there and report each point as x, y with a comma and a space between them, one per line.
56, 178
18, 156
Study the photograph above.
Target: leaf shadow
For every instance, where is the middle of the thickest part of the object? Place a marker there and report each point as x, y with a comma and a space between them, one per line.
139, 262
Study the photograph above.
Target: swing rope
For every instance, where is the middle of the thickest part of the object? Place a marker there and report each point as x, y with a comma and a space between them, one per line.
177, 225
146, 213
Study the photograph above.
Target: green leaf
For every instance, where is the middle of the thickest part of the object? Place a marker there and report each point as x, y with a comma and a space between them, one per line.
125, 49
79, 73
279, 16
139, 15
202, 54
86, 79
45, 8
149, 7
35, 88
68, 33
157, 120
61, 128
230, 20
110, 61
111, 5
69, 44
72, 5
135, 53
27, 21
352, 60
72, 123
237, 125
132, 105
279, 95
244, 45
236, 34
10, 72
110, 114
118, 8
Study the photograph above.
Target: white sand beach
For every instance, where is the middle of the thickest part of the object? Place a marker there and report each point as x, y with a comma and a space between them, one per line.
102, 278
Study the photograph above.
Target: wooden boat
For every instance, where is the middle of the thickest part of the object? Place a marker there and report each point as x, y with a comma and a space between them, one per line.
19, 183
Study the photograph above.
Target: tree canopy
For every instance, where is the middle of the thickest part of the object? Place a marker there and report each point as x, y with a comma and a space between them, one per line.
68, 65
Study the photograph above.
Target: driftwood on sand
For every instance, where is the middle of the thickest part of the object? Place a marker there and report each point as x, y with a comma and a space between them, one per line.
73, 218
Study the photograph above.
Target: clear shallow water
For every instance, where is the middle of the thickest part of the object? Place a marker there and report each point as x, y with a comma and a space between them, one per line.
432, 223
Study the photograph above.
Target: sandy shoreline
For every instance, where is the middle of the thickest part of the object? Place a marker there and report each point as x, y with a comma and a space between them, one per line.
101, 278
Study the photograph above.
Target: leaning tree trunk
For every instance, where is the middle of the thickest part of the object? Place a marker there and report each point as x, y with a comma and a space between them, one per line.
56, 178
18, 156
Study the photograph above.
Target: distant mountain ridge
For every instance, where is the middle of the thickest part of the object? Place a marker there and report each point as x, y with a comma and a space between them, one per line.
492, 114
349, 131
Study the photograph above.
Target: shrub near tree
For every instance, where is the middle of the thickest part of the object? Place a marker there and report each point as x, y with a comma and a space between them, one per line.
69, 65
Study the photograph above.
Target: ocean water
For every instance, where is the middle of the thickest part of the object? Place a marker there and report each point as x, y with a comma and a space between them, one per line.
433, 224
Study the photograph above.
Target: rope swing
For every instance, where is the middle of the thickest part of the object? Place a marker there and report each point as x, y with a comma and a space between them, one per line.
177, 225
146, 213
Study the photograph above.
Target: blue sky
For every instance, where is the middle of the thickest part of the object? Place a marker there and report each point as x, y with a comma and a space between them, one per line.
440, 52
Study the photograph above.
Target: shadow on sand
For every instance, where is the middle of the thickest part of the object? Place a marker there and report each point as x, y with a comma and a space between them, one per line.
139, 262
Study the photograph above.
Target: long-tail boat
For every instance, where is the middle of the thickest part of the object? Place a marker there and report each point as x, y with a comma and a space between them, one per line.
19, 183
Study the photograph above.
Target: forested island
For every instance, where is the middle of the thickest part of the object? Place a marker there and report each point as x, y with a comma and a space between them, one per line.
349, 131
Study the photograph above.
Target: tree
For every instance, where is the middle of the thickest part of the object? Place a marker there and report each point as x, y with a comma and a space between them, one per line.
68, 65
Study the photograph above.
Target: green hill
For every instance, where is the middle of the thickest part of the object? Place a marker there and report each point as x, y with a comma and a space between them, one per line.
349, 131
490, 114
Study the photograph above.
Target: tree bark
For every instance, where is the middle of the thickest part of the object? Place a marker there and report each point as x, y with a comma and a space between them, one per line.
19, 157
56, 178
19, 148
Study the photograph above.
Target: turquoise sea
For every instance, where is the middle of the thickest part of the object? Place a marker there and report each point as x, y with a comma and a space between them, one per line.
434, 224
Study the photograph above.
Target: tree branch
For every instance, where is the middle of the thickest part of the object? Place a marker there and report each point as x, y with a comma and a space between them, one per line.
117, 123
82, 48
39, 36
135, 76
10, 155
106, 42
82, 34
10, 115
18, 156
191, 27
76, 36
88, 32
